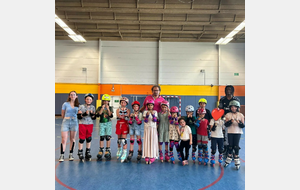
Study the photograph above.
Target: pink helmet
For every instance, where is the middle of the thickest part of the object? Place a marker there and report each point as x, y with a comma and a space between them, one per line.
124, 99
150, 102
174, 109
164, 102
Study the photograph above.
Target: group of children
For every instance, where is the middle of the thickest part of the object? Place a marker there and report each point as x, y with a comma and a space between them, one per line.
164, 127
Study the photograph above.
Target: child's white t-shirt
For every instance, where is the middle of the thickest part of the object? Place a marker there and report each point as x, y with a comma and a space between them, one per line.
186, 132
218, 133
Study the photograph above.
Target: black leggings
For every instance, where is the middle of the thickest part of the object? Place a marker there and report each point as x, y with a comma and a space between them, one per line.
186, 145
234, 141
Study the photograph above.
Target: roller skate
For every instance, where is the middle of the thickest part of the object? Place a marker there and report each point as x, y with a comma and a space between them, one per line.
139, 156
185, 162
199, 156
228, 160
130, 154
161, 156
107, 154
206, 158
151, 160
172, 157
61, 158
80, 155
100, 154
179, 156
237, 162
88, 155
147, 160
212, 160
194, 157
167, 158
119, 152
220, 159
124, 155
71, 158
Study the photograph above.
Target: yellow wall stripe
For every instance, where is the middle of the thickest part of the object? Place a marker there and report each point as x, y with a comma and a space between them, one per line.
180, 90
183, 90
79, 88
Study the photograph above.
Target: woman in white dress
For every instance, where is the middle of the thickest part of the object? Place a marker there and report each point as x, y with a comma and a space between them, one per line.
150, 146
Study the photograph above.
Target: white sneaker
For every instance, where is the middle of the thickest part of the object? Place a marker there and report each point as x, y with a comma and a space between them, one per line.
71, 158
61, 158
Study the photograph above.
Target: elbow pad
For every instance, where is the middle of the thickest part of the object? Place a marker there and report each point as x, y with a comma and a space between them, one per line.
79, 116
228, 123
213, 128
146, 120
241, 125
84, 114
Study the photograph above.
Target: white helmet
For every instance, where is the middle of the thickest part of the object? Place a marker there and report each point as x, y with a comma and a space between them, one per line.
189, 108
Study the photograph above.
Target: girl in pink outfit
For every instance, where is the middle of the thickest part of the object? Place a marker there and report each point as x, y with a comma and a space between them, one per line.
150, 146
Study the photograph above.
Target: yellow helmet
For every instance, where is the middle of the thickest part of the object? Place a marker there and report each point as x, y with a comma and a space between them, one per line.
202, 100
105, 97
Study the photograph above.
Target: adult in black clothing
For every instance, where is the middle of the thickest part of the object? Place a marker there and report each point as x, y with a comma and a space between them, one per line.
224, 104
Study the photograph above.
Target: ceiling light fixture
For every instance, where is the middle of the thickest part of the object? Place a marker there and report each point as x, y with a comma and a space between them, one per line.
72, 34
229, 37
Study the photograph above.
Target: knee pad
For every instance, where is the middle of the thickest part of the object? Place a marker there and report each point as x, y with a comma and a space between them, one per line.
107, 137
213, 151
119, 141
204, 146
220, 150
161, 143
101, 138
236, 150
171, 145
131, 141
89, 139
139, 141
166, 143
123, 141
81, 141
199, 146
176, 145
194, 148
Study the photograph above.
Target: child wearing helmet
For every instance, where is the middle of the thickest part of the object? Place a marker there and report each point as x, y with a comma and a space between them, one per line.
150, 146
163, 129
174, 133
122, 128
190, 121
69, 124
105, 112
202, 137
217, 139
135, 122
234, 121
86, 115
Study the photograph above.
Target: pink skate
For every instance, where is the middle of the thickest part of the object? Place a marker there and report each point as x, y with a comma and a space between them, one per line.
185, 162
151, 160
147, 160
167, 158
161, 156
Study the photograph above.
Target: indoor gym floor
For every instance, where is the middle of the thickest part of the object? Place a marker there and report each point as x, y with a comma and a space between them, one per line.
116, 175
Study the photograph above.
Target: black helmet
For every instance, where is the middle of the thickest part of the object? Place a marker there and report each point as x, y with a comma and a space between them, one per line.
90, 95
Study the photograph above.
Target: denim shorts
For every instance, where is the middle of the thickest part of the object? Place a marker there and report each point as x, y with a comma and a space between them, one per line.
135, 130
69, 125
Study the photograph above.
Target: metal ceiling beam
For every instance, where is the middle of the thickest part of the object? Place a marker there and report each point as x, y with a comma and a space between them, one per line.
155, 31
133, 22
151, 11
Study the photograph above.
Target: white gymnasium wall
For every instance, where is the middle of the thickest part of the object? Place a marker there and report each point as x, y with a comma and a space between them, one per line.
125, 62
71, 57
232, 60
129, 62
181, 62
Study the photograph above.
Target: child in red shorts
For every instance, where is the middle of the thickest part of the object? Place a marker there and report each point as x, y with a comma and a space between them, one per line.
122, 128
86, 115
